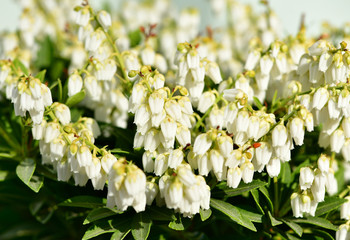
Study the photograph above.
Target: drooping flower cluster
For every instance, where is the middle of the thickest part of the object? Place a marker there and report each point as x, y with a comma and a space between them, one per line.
313, 186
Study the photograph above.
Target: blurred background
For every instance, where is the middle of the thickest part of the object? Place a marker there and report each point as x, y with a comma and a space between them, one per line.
316, 12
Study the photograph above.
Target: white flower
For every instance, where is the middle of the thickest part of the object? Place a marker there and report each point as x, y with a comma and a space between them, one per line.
252, 60
217, 161
323, 163
75, 83
247, 172
175, 158
107, 161
318, 48
273, 168
84, 156
151, 192
148, 56
279, 135
343, 232
346, 150
202, 144
331, 183
93, 170
152, 140
297, 132
63, 171
52, 131
62, 112
104, 19
345, 209
213, 71
318, 187
234, 176
320, 98
337, 140
295, 203
206, 100
82, 17
306, 178
204, 164
38, 130
156, 101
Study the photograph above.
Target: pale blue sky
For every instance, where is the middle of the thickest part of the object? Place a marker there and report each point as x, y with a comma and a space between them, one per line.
289, 11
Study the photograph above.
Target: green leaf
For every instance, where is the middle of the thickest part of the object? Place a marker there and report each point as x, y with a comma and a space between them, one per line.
19, 65
141, 226
258, 103
161, 214
3, 175
120, 234
285, 175
25, 171
180, 224
329, 204
252, 216
321, 222
233, 213
205, 214
274, 221
75, 99
222, 190
135, 37
99, 213
120, 225
99, 228
83, 202
255, 194
265, 192
41, 75
325, 235
296, 227
41, 210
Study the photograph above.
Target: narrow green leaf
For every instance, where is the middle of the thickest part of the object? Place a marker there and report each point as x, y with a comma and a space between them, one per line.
161, 214
41, 75
329, 204
83, 202
325, 235
286, 174
321, 222
257, 103
256, 197
222, 190
295, 227
274, 221
265, 192
141, 226
75, 99
233, 213
122, 228
205, 214
25, 171
99, 213
252, 216
19, 65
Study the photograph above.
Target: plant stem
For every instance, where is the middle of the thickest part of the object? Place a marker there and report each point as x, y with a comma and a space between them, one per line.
276, 200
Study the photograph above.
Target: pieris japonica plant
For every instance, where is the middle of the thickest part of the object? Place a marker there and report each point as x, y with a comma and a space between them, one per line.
141, 124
